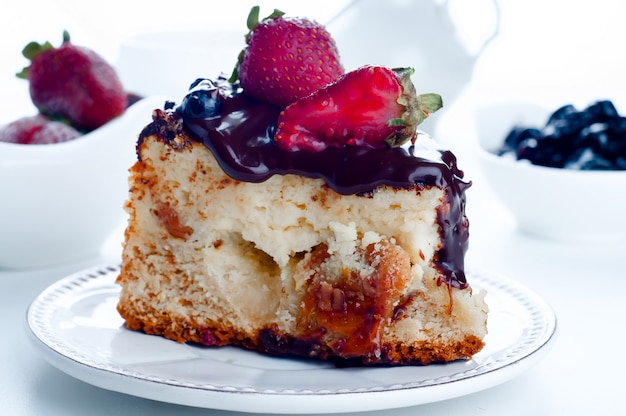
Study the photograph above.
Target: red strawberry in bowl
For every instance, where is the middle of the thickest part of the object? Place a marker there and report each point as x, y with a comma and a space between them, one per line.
286, 58
371, 106
73, 82
37, 129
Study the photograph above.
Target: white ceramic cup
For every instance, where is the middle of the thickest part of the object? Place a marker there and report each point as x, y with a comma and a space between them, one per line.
166, 62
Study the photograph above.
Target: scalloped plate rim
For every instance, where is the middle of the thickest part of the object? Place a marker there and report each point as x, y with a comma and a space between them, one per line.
425, 384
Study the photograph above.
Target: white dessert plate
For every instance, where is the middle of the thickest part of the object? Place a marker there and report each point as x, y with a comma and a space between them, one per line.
75, 325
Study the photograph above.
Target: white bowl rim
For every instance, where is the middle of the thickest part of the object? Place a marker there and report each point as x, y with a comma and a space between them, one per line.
138, 109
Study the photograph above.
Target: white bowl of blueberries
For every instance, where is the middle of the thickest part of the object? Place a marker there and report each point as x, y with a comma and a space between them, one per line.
562, 173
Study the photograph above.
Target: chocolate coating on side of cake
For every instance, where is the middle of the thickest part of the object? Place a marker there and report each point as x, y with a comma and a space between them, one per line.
240, 138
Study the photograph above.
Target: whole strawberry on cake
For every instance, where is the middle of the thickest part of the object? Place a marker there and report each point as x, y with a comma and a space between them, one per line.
294, 209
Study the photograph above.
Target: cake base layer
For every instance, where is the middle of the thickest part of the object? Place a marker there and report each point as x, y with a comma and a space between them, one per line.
287, 266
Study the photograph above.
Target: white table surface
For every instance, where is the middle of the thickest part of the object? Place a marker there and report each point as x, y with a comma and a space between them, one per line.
584, 283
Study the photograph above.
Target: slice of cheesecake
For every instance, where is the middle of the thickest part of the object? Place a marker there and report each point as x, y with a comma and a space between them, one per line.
348, 254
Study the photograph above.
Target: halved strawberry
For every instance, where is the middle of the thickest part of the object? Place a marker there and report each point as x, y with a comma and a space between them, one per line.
371, 106
286, 58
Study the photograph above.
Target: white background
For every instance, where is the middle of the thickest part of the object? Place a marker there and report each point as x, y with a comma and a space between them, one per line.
550, 51
573, 46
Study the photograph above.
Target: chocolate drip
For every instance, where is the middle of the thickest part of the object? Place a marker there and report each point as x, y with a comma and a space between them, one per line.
240, 138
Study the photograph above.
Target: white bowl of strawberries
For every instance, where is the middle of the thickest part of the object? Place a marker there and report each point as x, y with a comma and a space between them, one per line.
64, 182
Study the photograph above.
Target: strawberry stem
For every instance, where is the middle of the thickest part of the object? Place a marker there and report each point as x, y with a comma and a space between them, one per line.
253, 18
416, 107
429, 103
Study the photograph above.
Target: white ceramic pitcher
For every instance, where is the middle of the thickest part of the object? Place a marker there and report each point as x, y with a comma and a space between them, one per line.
432, 36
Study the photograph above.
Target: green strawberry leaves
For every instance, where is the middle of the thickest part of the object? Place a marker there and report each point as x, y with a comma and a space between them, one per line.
32, 49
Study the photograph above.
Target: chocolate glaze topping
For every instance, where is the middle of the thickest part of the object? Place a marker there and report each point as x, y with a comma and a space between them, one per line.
241, 139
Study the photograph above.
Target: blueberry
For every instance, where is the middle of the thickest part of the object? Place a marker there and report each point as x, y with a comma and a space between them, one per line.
561, 114
587, 159
527, 149
620, 163
601, 112
198, 81
540, 151
271, 130
615, 147
552, 147
203, 100
594, 138
516, 136
566, 127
